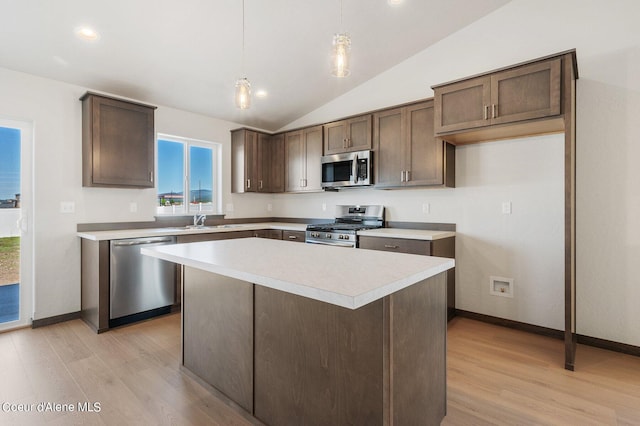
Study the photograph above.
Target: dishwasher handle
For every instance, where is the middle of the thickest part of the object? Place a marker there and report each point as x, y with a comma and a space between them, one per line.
142, 242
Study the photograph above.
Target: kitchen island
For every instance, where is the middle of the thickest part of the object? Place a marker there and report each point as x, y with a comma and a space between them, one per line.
306, 334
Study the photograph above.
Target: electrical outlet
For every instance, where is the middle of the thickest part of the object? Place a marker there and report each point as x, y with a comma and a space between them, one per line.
426, 208
506, 207
133, 207
229, 208
269, 207
67, 207
324, 207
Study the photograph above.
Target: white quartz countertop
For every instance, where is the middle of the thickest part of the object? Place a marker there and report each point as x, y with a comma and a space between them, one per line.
157, 232
342, 276
412, 234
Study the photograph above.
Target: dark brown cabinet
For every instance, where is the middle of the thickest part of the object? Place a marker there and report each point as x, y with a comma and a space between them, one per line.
117, 143
522, 93
445, 247
406, 151
295, 236
274, 234
257, 162
353, 134
302, 154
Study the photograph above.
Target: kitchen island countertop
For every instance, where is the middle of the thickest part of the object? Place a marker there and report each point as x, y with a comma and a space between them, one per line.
343, 277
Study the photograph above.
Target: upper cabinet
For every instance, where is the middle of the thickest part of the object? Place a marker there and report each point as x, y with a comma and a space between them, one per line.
353, 134
522, 93
302, 154
117, 143
406, 151
256, 162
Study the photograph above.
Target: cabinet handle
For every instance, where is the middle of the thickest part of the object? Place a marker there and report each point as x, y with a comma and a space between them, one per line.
402, 176
150, 176
304, 182
248, 183
407, 176
390, 246
486, 112
260, 184
293, 237
495, 111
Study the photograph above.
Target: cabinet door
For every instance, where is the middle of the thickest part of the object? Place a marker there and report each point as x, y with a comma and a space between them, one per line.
424, 157
273, 234
335, 137
359, 133
271, 163
294, 159
463, 105
118, 143
524, 93
312, 158
244, 161
251, 163
388, 135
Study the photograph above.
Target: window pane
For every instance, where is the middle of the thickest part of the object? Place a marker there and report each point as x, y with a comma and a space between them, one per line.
170, 175
200, 178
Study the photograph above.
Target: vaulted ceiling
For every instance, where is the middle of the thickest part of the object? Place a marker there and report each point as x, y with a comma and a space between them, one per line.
187, 54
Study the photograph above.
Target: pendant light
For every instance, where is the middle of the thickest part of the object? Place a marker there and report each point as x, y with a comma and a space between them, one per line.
341, 52
243, 87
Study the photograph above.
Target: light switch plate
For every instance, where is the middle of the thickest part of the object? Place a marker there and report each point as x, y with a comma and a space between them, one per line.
133, 207
426, 208
506, 207
67, 207
269, 207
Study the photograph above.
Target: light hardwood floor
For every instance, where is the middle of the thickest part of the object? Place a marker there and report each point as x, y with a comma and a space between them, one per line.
495, 376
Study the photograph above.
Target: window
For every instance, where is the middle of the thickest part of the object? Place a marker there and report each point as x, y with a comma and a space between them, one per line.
188, 176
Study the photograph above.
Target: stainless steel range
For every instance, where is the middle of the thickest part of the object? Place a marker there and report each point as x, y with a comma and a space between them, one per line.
343, 230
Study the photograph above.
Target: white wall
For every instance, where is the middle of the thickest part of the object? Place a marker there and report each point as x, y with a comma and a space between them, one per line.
55, 111
528, 245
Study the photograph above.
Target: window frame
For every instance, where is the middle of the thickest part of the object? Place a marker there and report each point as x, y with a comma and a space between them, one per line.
216, 166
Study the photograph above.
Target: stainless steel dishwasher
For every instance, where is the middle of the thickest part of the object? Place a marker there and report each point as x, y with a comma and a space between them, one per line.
140, 286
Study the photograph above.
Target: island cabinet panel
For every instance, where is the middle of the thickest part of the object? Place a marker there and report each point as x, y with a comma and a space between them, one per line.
117, 143
381, 364
218, 333
214, 236
353, 134
418, 365
518, 94
445, 247
316, 363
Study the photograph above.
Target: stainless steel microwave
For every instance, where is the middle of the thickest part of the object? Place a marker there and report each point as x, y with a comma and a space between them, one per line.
345, 170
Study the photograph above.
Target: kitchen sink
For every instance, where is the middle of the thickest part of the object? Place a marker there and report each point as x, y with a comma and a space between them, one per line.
231, 226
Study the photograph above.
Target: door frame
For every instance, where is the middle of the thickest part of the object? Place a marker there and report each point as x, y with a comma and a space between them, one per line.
27, 246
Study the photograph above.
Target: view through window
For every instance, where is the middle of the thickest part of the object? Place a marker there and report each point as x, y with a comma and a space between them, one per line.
187, 176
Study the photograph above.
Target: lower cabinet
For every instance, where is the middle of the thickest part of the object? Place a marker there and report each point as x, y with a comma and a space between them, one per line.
295, 236
445, 247
273, 234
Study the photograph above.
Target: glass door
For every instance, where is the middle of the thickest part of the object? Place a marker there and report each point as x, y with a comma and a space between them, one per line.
15, 233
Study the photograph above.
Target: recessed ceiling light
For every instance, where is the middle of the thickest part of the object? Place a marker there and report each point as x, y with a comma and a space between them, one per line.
261, 94
87, 33
394, 2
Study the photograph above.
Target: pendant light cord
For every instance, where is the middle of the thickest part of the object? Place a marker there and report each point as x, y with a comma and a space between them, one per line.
243, 37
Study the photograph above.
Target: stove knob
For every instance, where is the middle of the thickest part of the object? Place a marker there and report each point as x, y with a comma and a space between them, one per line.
328, 236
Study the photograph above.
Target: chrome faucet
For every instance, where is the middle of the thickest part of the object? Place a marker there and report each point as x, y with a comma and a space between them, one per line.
199, 219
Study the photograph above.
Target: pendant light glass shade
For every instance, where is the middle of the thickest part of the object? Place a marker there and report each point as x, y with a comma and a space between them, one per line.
243, 93
341, 54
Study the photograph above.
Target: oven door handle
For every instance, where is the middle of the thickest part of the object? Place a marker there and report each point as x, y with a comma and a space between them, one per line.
335, 244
